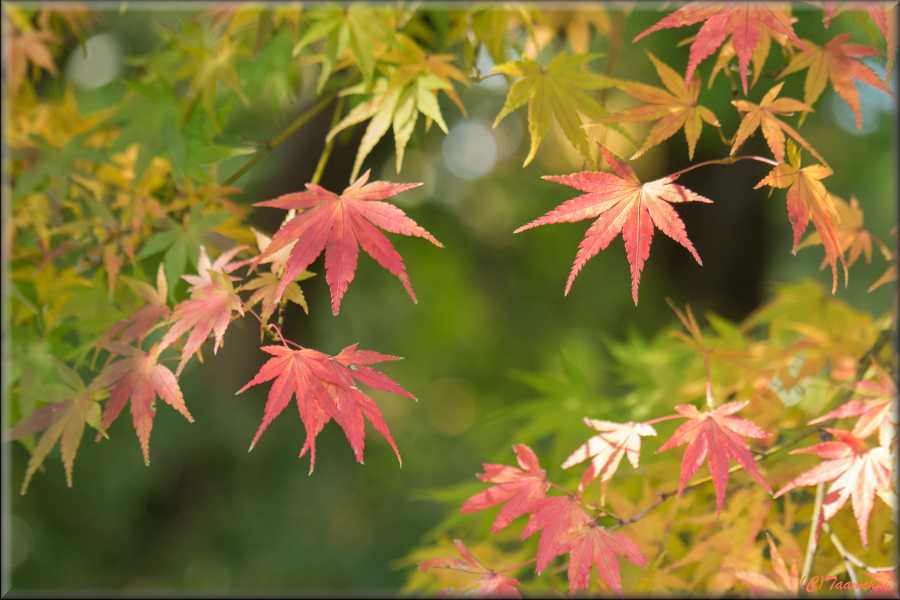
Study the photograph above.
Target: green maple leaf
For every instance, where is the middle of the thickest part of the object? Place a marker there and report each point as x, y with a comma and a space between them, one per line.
559, 92
151, 116
357, 31
181, 242
409, 86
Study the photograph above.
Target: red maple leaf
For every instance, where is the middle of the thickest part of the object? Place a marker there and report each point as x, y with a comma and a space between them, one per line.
881, 14
567, 529
208, 310
338, 225
745, 22
621, 204
325, 389
715, 434
489, 583
138, 379
606, 449
521, 489
856, 472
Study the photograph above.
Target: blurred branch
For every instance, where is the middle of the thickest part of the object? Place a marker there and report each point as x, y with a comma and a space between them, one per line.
304, 118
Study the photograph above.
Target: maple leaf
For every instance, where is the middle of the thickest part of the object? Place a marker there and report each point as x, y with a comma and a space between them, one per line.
877, 413
28, 47
567, 529
744, 22
788, 580
807, 199
853, 239
762, 116
265, 285
62, 422
324, 388
672, 108
556, 92
138, 379
410, 86
760, 52
606, 449
575, 24
141, 322
855, 471
521, 488
490, 583
881, 14
621, 203
208, 310
837, 62
339, 224
355, 34
715, 435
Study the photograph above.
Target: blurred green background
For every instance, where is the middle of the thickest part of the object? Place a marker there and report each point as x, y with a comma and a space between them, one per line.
206, 516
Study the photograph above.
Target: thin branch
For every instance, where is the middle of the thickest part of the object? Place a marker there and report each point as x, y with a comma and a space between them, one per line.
724, 161
813, 541
304, 118
846, 557
849, 556
326, 153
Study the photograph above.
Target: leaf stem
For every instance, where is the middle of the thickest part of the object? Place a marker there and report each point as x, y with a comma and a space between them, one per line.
326, 153
730, 160
304, 118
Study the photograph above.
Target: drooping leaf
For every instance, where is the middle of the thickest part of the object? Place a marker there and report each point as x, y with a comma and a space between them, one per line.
856, 472
715, 435
338, 225
882, 15
490, 583
807, 199
673, 108
621, 204
558, 92
606, 449
520, 488
409, 86
62, 422
836, 62
762, 116
138, 379
325, 388
744, 22
854, 240
208, 310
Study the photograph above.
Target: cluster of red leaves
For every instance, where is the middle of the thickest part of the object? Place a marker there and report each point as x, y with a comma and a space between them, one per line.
325, 388
565, 526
